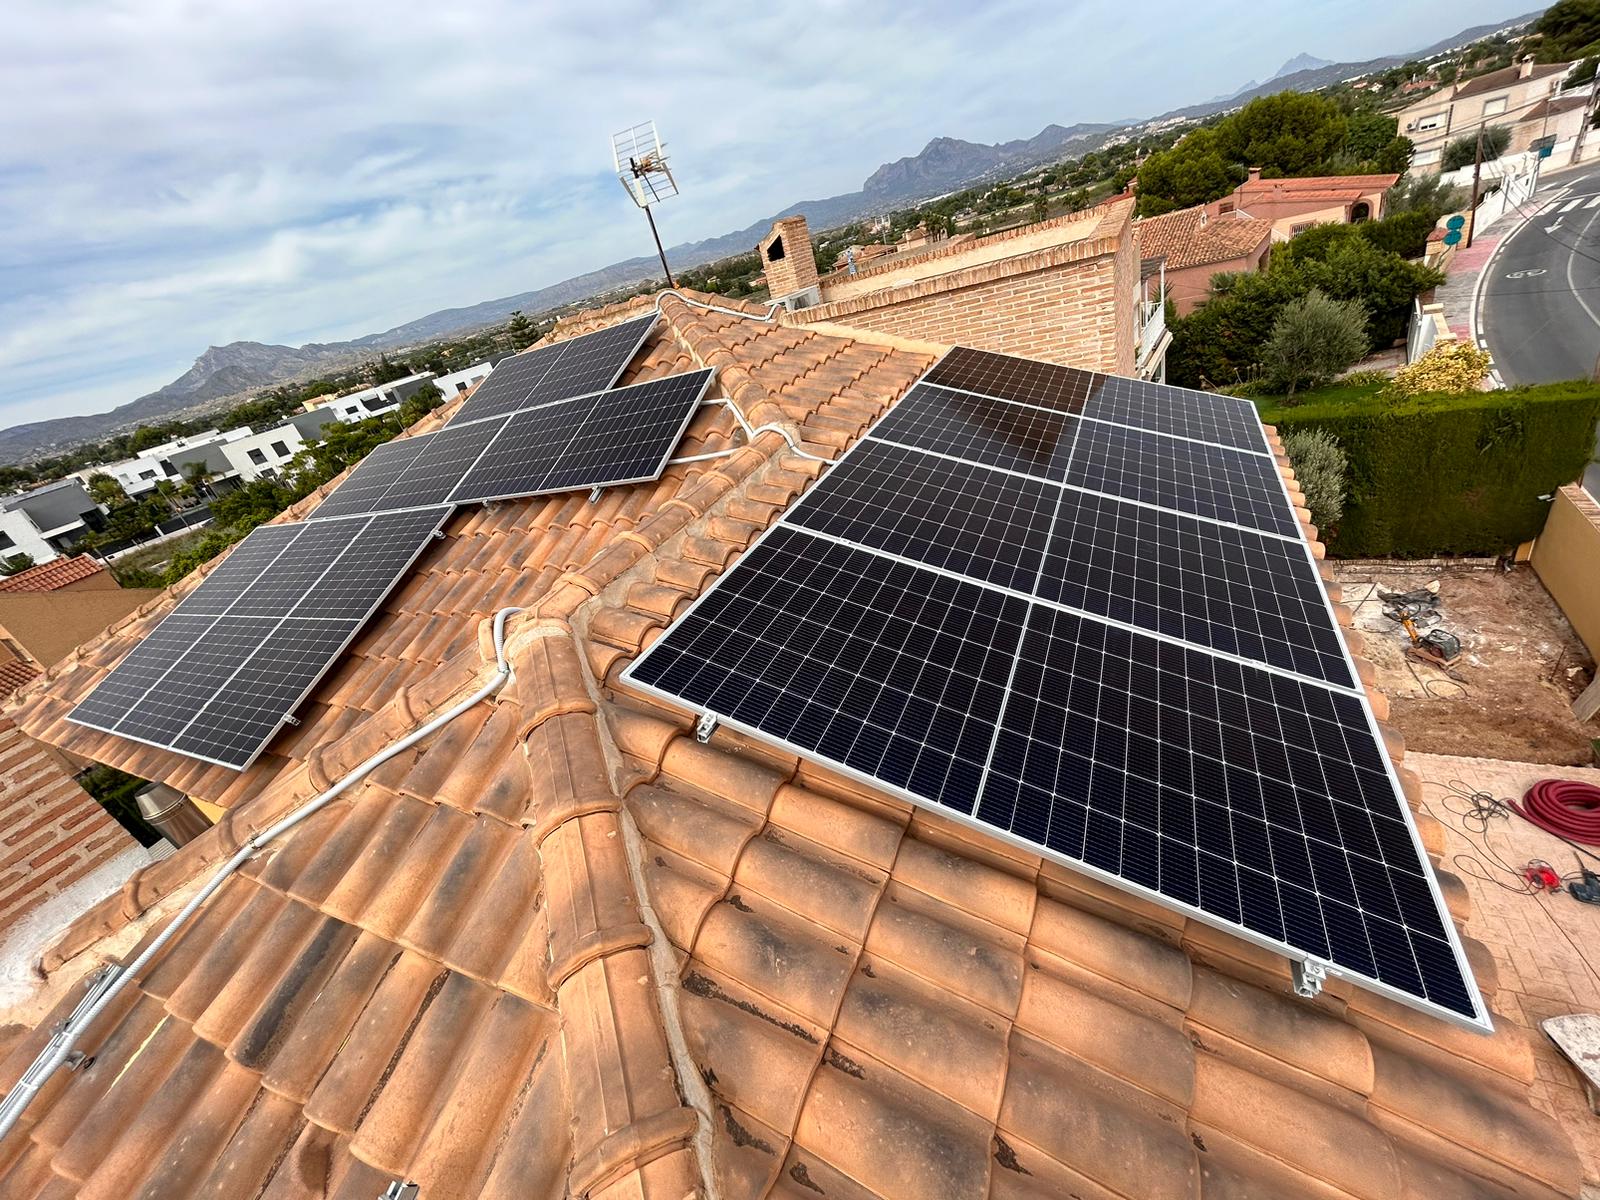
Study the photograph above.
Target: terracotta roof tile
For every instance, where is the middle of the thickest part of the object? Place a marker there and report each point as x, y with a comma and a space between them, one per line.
452, 975
49, 576
1505, 77
1189, 238
16, 674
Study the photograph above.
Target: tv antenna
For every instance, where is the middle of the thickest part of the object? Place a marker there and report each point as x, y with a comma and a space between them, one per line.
641, 162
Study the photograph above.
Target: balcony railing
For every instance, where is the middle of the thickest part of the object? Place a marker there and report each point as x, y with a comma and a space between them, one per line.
1150, 321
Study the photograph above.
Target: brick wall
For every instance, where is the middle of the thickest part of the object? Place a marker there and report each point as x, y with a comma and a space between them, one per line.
52, 832
1070, 303
1077, 312
796, 269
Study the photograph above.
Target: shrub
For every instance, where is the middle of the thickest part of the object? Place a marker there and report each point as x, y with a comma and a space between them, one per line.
1313, 339
1464, 150
1428, 194
1320, 467
1450, 367
1451, 474
1364, 379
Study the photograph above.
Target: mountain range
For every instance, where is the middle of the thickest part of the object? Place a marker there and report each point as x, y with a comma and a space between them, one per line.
226, 374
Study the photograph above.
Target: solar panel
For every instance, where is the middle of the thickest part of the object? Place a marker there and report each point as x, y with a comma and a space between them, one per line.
575, 367
603, 439
221, 674
1107, 644
621, 436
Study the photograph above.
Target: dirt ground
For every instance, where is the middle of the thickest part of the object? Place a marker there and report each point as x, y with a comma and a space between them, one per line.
1510, 694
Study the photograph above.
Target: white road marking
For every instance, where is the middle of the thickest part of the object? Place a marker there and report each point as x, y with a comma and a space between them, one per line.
1593, 200
1572, 204
1572, 257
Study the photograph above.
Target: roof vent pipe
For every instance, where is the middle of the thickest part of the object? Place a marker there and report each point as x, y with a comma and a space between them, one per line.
171, 812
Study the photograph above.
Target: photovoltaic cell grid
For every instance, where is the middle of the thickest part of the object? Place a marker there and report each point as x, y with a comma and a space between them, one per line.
1224, 420
575, 367
601, 440
220, 675
1142, 678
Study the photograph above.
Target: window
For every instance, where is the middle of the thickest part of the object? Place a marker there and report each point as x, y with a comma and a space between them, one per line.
280, 449
147, 474
6, 542
258, 458
461, 387
1224, 208
1494, 107
1431, 121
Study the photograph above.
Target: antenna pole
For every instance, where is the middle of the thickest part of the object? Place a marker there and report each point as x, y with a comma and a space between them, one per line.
666, 270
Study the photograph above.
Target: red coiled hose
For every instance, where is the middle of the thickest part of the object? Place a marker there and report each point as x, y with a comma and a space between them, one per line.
1564, 807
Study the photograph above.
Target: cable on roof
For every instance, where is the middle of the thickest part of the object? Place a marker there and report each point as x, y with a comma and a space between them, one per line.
772, 307
114, 978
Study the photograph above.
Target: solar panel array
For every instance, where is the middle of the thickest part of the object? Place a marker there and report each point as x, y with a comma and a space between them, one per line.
1076, 611
575, 367
601, 440
227, 668
220, 675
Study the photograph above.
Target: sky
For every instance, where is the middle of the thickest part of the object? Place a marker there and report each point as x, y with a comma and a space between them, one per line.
175, 175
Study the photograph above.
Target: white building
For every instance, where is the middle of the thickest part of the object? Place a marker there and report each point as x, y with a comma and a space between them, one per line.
47, 521
265, 454
464, 380
166, 462
375, 401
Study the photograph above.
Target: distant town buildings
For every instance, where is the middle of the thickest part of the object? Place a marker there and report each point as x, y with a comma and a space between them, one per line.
47, 521
1524, 97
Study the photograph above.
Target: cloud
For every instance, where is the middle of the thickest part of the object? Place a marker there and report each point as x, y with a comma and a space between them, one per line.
174, 175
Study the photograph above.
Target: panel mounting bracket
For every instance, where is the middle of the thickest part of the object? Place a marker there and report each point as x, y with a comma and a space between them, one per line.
292, 720
1309, 976
705, 727
595, 493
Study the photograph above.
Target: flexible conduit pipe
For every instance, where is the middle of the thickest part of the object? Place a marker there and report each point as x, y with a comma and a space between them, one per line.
115, 979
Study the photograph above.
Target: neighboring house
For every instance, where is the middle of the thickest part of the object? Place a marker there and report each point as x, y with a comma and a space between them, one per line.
464, 380
861, 255
1197, 245
46, 522
138, 476
263, 455
1501, 97
50, 609
1067, 290
1560, 118
564, 949
376, 401
1294, 205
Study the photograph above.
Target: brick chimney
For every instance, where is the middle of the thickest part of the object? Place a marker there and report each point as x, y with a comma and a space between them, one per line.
1255, 174
787, 258
1525, 67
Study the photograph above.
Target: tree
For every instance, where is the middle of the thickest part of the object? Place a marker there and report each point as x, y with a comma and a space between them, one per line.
419, 404
1192, 172
1426, 194
15, 563
1041, 208
1313, 339
519, 329
1355, 269
1368, 134
1321, 469
1567, 29
103, 489
1464, 150
1290, 133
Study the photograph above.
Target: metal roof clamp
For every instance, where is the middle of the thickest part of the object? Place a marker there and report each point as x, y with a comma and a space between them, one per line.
705, 727
1309, 976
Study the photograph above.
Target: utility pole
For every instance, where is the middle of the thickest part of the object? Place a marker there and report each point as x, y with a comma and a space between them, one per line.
1477, 169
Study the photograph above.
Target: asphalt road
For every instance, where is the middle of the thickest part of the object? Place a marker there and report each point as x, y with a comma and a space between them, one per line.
1541, 297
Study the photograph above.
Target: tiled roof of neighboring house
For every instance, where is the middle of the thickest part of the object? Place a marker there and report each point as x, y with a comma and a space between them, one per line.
1554, 107
1188, 238
48, 576
1506, 77
564, 949
15, 674
1333, 188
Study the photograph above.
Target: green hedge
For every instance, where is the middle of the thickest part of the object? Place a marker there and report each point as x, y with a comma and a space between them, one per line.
1451, 474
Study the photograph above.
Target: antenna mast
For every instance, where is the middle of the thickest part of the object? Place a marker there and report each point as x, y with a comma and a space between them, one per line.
641, 162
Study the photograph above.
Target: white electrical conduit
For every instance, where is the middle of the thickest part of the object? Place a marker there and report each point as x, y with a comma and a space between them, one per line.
115, 978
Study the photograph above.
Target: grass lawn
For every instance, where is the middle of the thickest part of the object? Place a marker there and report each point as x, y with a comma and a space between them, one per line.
1333, 394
